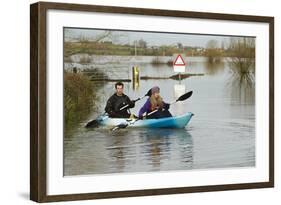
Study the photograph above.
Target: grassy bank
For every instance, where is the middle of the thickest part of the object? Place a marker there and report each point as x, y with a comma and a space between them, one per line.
79, 98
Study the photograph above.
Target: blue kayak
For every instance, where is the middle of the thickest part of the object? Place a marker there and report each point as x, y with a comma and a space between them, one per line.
168, 122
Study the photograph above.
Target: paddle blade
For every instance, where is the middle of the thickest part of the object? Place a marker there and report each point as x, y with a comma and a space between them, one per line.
185, 96
148, 93
95, 122
120, 126
92, 123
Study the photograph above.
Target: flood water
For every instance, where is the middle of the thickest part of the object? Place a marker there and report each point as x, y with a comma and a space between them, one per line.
221, 133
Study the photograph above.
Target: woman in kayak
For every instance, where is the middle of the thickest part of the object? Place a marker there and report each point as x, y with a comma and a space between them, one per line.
155, 102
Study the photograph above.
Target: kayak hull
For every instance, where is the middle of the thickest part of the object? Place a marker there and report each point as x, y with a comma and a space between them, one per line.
169, 122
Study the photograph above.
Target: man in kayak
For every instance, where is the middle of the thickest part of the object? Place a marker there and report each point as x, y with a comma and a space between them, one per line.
117, 101
155, 102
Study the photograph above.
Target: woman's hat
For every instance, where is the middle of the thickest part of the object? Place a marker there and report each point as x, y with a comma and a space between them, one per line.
155, 89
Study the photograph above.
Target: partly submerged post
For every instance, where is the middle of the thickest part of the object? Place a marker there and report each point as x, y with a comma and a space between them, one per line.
74, 70
136, 77
179, 65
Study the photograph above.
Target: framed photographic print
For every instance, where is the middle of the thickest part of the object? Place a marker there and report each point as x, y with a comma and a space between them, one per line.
134, 102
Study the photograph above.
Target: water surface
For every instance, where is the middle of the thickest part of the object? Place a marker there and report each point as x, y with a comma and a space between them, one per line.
221, 134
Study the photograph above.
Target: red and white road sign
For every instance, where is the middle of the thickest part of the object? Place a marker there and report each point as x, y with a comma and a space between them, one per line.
179, 64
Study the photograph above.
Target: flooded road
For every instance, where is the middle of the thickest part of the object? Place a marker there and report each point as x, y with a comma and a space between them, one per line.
221, 134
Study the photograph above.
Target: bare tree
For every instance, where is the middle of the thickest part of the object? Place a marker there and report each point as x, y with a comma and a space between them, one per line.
179, 45
213, 52
102, 36
242, 61
142, 43
242, 53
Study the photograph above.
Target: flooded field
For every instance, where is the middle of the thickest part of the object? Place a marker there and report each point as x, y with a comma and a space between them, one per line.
221, 133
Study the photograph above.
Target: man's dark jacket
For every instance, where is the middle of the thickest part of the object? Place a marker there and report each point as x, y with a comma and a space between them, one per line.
115, 102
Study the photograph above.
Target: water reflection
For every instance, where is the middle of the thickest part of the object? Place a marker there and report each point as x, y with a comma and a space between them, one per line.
214, 68
119, 149
241, 83
130, 150
160, 146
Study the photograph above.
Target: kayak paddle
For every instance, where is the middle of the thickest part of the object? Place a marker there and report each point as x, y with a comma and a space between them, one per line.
124, 125
95, 122
147, 94
181, 98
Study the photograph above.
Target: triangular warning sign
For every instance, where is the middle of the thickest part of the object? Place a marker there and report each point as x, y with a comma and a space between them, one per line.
179, 61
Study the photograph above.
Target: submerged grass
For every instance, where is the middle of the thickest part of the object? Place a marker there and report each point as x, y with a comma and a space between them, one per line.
156, 61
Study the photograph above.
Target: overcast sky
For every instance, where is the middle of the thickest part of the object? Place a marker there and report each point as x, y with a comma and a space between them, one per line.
152, 39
